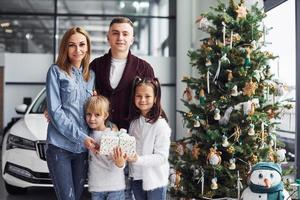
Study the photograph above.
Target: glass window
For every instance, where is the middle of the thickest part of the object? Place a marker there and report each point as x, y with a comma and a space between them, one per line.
280, 40
26, 34
40, 104
115, 7
31, 6
152, 35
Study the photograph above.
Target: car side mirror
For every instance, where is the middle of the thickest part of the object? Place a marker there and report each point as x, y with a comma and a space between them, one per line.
21, 109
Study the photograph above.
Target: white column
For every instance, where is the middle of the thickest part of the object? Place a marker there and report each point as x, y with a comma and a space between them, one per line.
187, 38
184, 22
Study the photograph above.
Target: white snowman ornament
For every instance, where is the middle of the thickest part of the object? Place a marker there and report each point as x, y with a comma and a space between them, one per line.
265, 183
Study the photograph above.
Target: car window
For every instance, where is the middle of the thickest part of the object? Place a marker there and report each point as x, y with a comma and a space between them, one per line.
40, 104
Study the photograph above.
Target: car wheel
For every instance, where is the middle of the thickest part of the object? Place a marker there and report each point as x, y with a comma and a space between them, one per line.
14, 190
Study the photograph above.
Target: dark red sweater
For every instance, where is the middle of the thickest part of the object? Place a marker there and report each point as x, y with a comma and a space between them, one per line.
120, 96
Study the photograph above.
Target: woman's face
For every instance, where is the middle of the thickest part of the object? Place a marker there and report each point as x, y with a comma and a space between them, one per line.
77, 48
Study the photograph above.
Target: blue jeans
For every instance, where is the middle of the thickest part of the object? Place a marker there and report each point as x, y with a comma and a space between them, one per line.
128, 182
68, 172
140, 194
115, 195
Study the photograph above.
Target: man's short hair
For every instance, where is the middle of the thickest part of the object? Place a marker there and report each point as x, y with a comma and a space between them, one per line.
118, 20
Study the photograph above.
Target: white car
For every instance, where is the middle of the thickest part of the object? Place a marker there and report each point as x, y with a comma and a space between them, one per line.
23, 156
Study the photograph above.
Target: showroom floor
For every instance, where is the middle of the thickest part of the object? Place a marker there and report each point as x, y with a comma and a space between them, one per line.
32, 194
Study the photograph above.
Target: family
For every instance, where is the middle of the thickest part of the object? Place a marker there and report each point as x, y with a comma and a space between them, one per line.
86, 100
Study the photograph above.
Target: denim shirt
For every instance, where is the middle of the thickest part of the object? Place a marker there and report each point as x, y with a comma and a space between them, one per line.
66, 97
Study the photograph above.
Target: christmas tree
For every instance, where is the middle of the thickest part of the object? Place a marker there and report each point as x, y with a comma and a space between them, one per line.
232, 106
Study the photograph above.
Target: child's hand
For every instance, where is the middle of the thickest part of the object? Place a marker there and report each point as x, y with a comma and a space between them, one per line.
119, 157
92, 145
114, 127
95, 93
133, 158
46, 115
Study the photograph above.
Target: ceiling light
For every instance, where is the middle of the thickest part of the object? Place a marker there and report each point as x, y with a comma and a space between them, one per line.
122, 4
15, 22
28, 36
144, 4
136, 5
139, 5
8, 30
135, 24
5, 24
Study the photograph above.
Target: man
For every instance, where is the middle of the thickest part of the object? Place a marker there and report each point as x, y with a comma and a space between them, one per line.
116, 70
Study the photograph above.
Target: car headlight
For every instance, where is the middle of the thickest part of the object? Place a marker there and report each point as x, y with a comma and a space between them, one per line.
18, 142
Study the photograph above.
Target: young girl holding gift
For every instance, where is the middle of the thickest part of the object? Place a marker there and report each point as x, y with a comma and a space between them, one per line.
106, 177
149, 168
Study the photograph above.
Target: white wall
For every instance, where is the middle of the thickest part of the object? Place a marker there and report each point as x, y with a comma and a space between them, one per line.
22, 68
184, 21
26, 67
1, 59
281, 41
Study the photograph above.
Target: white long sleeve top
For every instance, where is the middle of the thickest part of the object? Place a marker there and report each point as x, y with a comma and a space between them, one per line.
103, 174
153, 144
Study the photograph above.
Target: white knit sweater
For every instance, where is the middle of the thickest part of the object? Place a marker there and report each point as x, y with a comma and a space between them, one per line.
103, 174
154, 142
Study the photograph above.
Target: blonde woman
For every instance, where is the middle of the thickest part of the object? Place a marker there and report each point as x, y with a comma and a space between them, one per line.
69, 84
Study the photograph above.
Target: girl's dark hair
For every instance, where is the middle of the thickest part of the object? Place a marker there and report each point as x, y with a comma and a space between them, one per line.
156, 110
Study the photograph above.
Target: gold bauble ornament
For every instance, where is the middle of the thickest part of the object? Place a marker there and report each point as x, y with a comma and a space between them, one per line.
253, 159
229, 75
214, 157
236, 37
196, 151
271, 113
249, 88
237, 133
271, 155
180, 149
187, 94
231, 149
189, 114
214, 183
232, 165
241, 11
177, 179
251, 130
252, 109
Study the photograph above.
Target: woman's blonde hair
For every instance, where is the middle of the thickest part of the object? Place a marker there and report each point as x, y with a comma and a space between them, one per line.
97, 104
63, 61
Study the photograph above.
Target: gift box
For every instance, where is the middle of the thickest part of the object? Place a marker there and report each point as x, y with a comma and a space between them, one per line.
113, 139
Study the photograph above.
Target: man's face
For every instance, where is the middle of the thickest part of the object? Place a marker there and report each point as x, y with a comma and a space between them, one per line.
120, 37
